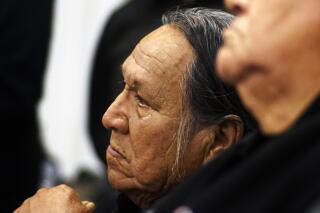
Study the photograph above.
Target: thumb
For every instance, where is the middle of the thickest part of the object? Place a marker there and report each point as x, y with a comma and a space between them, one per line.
89, 206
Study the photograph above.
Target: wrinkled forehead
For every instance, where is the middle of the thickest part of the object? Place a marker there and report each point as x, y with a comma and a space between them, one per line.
165, 49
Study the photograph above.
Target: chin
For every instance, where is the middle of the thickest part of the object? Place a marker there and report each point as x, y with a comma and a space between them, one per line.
234, 68
224, 64
116, 179
220, 63
111, 178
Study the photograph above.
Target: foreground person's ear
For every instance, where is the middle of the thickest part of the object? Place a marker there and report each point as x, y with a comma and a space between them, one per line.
228, 132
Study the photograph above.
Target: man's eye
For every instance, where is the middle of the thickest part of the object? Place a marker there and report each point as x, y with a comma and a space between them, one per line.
141, 102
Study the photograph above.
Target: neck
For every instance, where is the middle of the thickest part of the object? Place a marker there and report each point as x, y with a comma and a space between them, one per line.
143, 200
281, 114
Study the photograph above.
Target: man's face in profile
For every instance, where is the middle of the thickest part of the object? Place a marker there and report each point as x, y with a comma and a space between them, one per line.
267, 47
145, 116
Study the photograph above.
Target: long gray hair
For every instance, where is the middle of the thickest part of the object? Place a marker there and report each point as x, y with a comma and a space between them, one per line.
206, 99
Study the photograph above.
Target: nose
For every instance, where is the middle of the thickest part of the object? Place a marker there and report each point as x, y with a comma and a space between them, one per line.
115, 117
237, 7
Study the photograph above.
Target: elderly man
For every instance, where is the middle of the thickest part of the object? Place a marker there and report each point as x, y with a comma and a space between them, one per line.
168, 120
271, 54
172, 116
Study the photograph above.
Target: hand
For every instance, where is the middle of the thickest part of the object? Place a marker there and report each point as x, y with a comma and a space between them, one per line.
59, 199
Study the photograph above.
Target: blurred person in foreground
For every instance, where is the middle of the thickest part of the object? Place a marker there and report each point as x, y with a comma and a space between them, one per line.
24, 41
173, 115
271, 55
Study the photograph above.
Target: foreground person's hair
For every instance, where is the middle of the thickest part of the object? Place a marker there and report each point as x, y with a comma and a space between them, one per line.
206, 99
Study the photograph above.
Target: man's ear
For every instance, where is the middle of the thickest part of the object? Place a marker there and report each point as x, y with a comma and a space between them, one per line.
229, 131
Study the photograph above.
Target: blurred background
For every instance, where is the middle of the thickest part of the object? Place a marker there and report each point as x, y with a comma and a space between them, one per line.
59, 71
63, 110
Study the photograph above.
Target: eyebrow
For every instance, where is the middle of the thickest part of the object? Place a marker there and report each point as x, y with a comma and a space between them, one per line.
135, 86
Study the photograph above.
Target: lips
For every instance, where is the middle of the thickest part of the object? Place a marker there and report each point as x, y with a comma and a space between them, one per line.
114, 152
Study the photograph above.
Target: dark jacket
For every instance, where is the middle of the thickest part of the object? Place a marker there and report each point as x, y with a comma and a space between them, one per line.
125, 205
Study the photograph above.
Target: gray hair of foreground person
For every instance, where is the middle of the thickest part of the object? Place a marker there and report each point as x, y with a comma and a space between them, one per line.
207, 100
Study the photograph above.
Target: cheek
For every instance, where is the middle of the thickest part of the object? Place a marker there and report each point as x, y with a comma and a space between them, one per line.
261, 90
273, 31
233, 58
152, 135
152, 147
151, 166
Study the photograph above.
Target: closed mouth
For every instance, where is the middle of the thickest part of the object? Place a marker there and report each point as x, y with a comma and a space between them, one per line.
114, 152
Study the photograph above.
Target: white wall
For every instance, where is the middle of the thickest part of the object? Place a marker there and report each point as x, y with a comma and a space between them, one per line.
63, 109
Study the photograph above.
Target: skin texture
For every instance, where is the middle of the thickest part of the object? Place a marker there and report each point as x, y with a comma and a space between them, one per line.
145, 117
271, 54
60, 199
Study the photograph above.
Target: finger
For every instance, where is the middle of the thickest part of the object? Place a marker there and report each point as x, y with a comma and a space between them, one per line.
68, 190
42, 190
64, 186
89, 206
